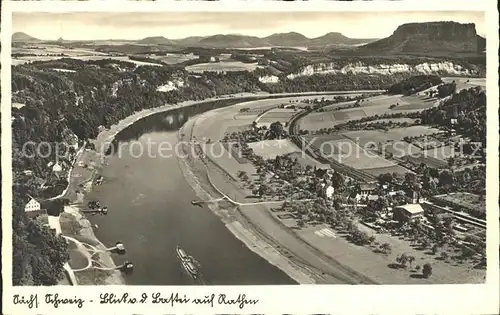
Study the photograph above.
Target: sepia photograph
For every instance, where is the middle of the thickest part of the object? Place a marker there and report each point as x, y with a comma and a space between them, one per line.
248, 148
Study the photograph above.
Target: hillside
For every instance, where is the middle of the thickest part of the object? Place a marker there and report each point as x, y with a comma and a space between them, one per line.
432, 37
230, 41
335, 38
291, 39
286, 39
23, 37
155, 40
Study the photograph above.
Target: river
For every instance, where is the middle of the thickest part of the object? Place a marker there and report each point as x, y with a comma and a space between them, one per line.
150, 211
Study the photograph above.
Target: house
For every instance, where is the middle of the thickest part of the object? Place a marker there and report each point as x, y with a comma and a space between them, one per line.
329, 190
33, 208
57, 168
408, 212
28, 172
367, 189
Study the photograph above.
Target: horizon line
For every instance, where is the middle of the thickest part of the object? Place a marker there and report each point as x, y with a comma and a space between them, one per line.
240, 34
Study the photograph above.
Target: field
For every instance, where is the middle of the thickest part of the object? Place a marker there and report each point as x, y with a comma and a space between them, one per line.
54, 49
347, 152
427, 160
305, 159
464, 199
413, 131
238, 128
269, 149
390, 169
23, 60
282, 115
376, 105
173, 58
466, 83
427, 103
390, 140
224, 66
441, 153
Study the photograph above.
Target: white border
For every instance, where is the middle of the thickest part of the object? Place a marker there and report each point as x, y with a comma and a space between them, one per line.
411, 299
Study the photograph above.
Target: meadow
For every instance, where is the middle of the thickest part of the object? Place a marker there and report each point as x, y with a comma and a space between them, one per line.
224, 66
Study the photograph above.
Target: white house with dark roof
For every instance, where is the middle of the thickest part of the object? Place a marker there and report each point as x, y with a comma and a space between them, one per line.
408, 212
33, 208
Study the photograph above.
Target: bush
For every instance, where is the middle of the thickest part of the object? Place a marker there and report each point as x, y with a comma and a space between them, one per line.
427, 270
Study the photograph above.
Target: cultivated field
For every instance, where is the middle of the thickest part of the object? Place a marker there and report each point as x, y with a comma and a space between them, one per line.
282, 115
224, 66
419, 158
441, 153
237, 128
466, 83
173, 58
390, 169
53, 49
269, 149
376, 105
305, 159
23, 60
413, 131
347, 152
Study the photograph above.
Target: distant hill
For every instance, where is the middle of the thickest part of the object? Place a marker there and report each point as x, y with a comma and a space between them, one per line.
334, 38
188, 41
291, 39
155, 40
431, 37
286, 39
23, 37
230, 41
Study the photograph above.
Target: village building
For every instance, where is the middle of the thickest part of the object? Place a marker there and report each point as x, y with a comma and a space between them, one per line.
408, 212
57, 168
329, 191
28, 172
33, 208
367, 189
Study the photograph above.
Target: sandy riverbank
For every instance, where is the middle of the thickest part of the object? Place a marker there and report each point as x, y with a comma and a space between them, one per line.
85, 234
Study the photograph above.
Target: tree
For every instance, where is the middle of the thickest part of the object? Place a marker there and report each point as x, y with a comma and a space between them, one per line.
435, 249
444, 255
276, 130
402, 260
425, 243
337, 180
38, 254
427, 270
411, 259
386, 248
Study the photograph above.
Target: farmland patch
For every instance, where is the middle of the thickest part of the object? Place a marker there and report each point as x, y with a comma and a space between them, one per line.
269, 149
383, 170
225, 66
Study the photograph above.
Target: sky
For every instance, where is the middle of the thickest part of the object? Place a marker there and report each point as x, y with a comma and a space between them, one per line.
126, 25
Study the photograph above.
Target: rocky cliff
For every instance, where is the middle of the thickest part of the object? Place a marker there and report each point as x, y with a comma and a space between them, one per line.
438, 67
430, 37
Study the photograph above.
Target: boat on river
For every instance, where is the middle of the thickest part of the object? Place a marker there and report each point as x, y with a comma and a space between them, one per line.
187, 262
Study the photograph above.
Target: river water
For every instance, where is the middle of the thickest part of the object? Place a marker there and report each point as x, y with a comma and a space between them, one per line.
150, 211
